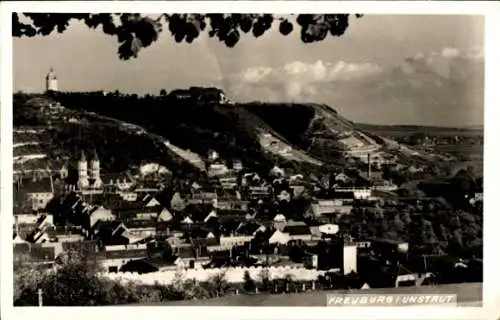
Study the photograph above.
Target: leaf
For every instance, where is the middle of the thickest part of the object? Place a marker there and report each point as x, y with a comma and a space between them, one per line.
285, 27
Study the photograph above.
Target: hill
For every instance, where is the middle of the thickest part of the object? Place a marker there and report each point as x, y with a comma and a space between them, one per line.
301, 136
39, 122
199, 126
262, 134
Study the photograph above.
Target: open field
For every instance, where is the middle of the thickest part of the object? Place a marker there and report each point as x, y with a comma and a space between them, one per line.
468, 294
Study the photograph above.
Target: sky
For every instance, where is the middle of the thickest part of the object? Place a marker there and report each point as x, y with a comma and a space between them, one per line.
386, 69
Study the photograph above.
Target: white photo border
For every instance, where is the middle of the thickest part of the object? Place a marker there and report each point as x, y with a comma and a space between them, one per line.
491, 286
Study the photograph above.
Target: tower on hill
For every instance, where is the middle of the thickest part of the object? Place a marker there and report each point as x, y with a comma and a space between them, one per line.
51, 81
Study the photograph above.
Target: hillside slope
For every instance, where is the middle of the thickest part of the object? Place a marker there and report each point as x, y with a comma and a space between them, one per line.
198, 127
301, 136
47, 135
316, 128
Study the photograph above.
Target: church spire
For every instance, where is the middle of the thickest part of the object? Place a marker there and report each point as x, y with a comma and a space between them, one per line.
82, 157
95, 156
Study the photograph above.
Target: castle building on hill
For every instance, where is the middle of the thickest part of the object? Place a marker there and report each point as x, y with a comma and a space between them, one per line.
51, 81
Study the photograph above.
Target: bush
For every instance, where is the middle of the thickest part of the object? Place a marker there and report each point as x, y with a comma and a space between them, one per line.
265, 282
218, 285
248, 282
75, 283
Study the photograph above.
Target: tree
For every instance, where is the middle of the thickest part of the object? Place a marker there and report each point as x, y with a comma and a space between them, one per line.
136, 31
163, 92
219, 283
75, 283
248, 282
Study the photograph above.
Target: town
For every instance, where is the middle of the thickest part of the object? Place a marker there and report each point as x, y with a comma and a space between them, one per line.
345, 225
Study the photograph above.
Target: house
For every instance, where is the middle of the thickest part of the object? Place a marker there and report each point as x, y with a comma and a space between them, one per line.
277, 172
237, 165
150, 201
284, 195
100, 214
478, 196
65, 234
39, 190
250, 179
389, 246
279, 237
34, 253
135, 211
85, 246
342, 177
336, 254
190, 255
136, 230
249, 228
212, 214
298, 231
296, 179
279, 222
213, 155
180, 94
128, 196
120, 182
109, 232
200, 232
321, 206
297, 190
165, 215
372, 175
187, 221
203, 247
217, 169
398, 275
234, 240
30, 219
202, 196
344, 195
118, 255
259, 191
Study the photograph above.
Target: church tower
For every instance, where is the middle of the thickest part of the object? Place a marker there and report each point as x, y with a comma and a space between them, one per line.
95, 171
51, 81
83, 178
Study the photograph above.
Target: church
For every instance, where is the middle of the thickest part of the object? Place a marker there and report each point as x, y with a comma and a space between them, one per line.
88, 178
88, 174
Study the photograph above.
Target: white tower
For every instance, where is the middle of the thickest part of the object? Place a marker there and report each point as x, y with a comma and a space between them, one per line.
95, 171
51, 81
83, 178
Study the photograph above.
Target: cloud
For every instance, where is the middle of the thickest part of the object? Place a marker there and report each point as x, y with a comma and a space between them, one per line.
450, 52
444, 87
255, 75
298, 80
